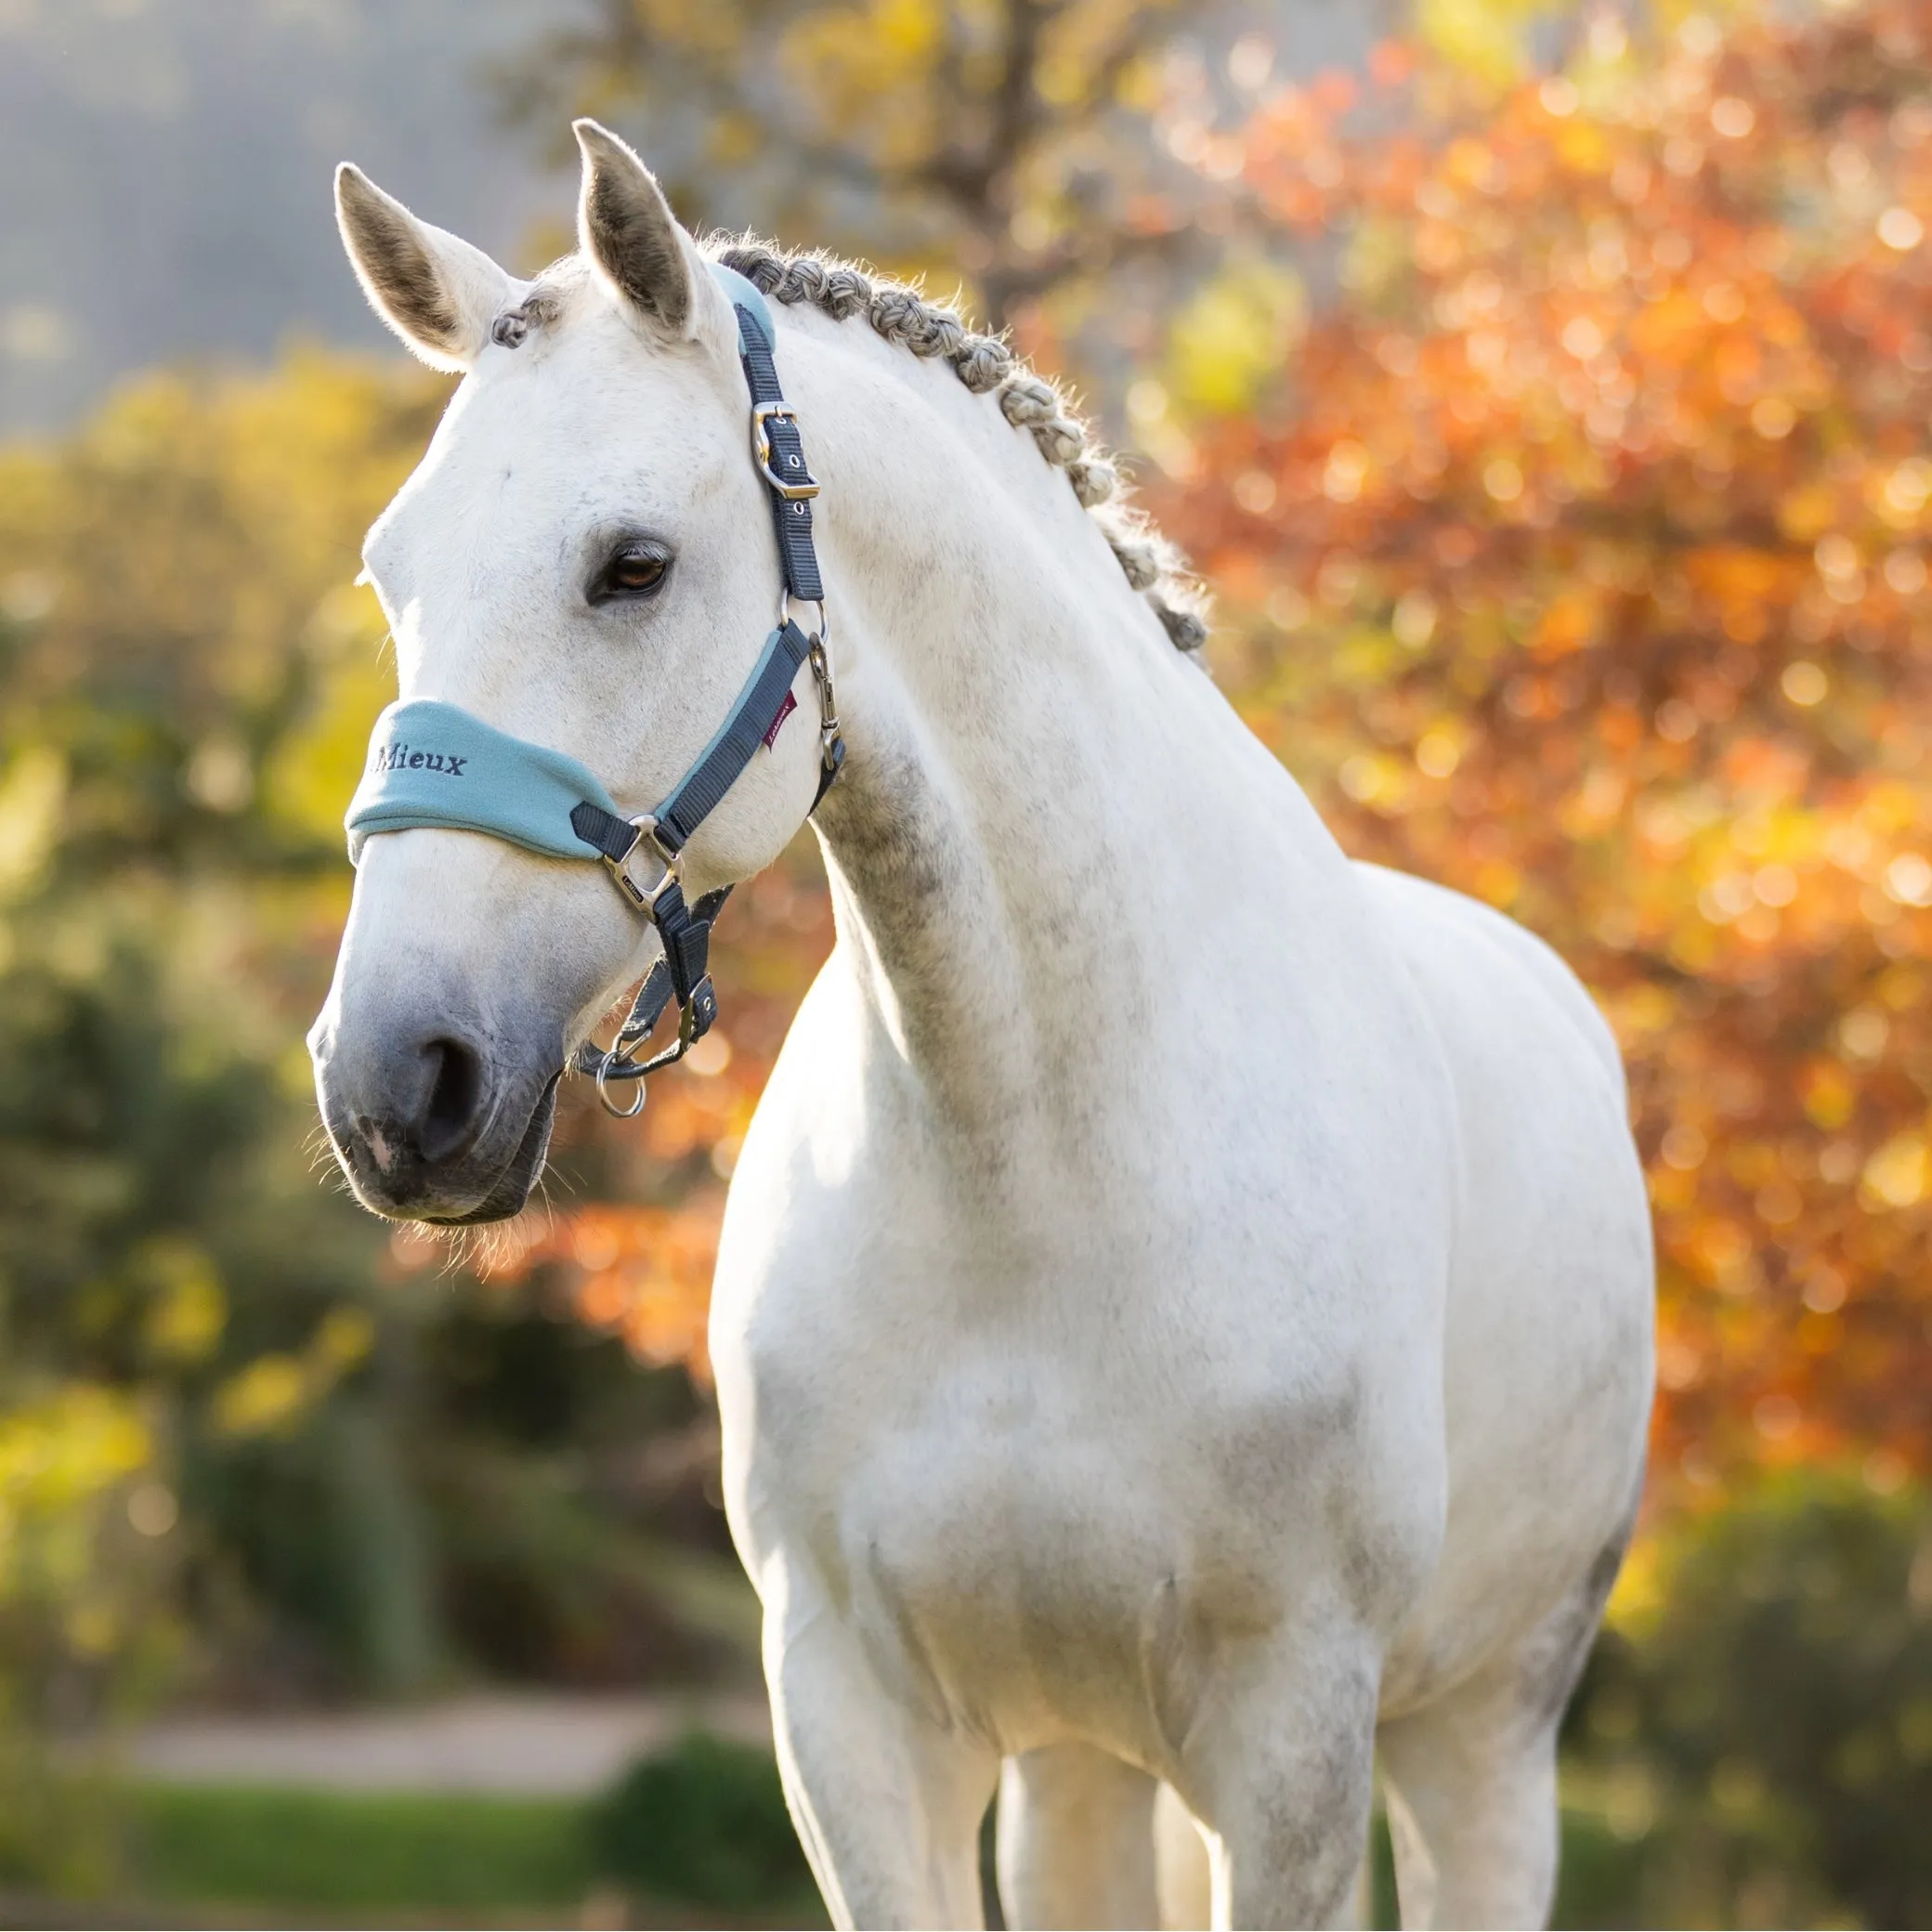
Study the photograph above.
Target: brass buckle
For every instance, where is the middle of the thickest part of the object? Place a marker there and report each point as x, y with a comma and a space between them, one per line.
762, 414
644, 899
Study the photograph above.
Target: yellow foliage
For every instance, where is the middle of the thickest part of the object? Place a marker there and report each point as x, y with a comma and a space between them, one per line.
1483, 38
188, 1311
317, 767
267, 1396
33, 789
869, 64
1639, 1594
60, 1454
346, 1337
272, 1394
1897, 1174
1233, 335
1808, 511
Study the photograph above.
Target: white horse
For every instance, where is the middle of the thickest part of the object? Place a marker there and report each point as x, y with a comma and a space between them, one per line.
1183, 1315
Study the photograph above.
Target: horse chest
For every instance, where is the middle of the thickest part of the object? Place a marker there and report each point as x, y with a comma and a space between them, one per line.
1048, 1461
1021, 1578
1043, 1549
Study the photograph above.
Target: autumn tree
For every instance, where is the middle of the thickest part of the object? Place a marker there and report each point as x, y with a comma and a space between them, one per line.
1028, 146
1576, 557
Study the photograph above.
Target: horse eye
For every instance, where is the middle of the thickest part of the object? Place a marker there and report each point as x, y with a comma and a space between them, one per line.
635, 571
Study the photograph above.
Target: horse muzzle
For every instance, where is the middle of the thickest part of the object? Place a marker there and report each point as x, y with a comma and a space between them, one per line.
434, 1121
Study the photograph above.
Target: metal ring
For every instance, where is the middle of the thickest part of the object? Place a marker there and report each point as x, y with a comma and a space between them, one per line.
817, 604
610, 1107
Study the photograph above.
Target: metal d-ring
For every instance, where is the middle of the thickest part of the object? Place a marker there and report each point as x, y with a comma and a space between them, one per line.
817, 604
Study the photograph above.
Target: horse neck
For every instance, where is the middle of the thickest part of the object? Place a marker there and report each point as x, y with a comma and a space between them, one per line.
1024, 745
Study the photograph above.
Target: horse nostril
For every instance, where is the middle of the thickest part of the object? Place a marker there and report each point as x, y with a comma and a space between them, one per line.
451, 1122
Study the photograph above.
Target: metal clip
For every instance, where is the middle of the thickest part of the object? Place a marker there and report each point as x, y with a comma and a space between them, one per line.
827, 697
694, 1017
798, 489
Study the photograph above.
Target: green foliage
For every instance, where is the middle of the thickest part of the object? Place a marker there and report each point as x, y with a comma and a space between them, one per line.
1762, 1725
704, 1821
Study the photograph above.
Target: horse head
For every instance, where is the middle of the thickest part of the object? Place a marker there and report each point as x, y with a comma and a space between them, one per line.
582, 561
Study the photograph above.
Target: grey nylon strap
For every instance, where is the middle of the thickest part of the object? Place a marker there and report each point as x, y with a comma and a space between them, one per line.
684, 972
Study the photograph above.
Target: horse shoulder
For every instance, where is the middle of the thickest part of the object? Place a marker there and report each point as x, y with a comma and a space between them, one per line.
1507, 958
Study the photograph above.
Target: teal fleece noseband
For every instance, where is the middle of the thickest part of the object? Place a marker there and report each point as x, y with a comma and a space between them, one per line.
432, 765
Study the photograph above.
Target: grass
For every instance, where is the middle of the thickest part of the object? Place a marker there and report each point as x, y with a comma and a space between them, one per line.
356, 1853
314, 1857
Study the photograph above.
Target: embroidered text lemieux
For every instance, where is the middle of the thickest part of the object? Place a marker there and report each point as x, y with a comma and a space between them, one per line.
398, 758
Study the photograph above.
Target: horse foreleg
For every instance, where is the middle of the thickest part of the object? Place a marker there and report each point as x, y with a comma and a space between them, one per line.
1279, 1766
1472, 1780
887, 1802
1076, 1840
1472, 1811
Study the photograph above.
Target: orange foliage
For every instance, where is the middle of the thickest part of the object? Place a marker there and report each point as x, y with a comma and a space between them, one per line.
1583, 563
641, 1273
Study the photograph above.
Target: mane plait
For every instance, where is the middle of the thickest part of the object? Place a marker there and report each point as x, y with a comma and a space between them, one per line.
985, 363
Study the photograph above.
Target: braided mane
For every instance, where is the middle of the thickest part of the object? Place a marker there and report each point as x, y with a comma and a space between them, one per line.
901, 315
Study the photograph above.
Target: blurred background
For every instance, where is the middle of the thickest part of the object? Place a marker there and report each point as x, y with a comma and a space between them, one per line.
1544, 390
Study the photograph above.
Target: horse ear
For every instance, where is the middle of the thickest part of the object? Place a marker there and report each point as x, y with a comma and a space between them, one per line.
626, 229
437, 291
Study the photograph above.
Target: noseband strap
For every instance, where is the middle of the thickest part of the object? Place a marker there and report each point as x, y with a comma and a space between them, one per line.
432, 764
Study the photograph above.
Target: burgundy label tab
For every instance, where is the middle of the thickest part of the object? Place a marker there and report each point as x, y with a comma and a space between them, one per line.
785, 710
